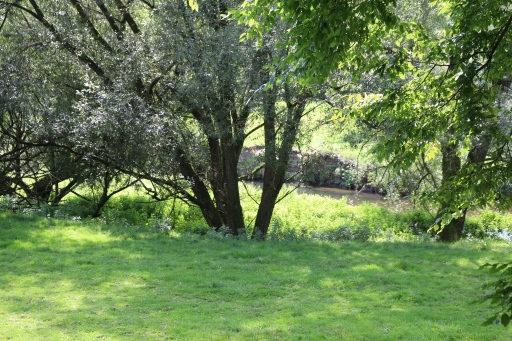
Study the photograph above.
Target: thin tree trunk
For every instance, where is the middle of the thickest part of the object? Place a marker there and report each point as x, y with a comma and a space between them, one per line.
276, 159
451, 164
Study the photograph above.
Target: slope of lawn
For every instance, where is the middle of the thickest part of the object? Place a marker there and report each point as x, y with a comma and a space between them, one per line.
65, 280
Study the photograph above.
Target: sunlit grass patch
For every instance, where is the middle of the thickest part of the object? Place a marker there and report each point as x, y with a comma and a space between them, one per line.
64, 280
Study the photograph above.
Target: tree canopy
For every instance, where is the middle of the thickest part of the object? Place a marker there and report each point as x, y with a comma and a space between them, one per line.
323, 35
168, 93
448, 90
158, 93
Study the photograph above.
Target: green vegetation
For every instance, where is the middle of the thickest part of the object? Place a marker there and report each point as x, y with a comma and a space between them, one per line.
296, 217
164, 98
165, 95
65, 280
429, 79
500, 296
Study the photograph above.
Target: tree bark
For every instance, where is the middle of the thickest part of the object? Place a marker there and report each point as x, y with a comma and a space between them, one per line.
206, 205
276, 158
451, 166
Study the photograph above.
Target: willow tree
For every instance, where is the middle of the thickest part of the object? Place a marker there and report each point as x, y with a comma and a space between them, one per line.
165, 91
33, 97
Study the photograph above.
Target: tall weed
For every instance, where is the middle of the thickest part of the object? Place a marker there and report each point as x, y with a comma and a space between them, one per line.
296, 217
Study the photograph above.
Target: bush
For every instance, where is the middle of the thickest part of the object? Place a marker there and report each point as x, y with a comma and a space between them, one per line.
419, 222
137, 210
345, 233
8, 203
296, 217
488, 224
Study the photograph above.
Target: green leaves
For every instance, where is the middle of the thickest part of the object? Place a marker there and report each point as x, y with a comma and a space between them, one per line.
193, 5
322, 32
505, 319
501, 295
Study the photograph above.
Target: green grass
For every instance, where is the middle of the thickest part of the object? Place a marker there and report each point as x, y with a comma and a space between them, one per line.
64, 280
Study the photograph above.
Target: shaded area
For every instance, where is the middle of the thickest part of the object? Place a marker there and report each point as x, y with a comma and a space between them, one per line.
81, 282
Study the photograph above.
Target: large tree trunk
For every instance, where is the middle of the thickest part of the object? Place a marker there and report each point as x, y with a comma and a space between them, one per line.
452, 232
205, 203
233, 208
451, 165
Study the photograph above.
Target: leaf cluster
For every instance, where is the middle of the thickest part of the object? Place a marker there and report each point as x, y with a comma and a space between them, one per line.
322, 33
501, 295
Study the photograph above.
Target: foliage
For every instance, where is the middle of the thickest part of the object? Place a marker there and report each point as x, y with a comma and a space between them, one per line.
121, 90
418, 221
8, 203
488, 224
322, 34
501, 295
326, 218
453, 104
446, 87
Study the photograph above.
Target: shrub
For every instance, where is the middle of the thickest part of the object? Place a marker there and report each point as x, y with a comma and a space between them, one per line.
8, 203
418, 221
488, 224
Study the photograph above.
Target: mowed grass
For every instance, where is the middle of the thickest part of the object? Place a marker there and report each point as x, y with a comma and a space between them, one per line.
64, 280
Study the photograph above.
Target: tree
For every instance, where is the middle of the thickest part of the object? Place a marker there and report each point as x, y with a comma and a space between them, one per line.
163, 92
451, 86
30, 103
455, 103
323, 33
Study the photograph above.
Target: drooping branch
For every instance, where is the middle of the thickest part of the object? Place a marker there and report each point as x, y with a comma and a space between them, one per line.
497, 43
157, 79
82, 56
152, 6
127, 17
8, 8
110, 19
90, 26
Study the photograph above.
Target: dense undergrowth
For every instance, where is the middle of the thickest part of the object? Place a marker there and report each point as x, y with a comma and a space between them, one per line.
296, 217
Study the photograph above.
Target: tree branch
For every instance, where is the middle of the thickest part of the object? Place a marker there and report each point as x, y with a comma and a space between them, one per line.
496, 44
152, 6
5, 16
127, 17
38, 14
88, 23
110, 19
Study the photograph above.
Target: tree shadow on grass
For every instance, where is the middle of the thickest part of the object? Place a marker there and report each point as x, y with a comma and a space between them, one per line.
88, 283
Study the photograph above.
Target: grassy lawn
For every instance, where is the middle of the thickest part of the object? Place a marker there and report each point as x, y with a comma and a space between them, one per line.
64, 280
